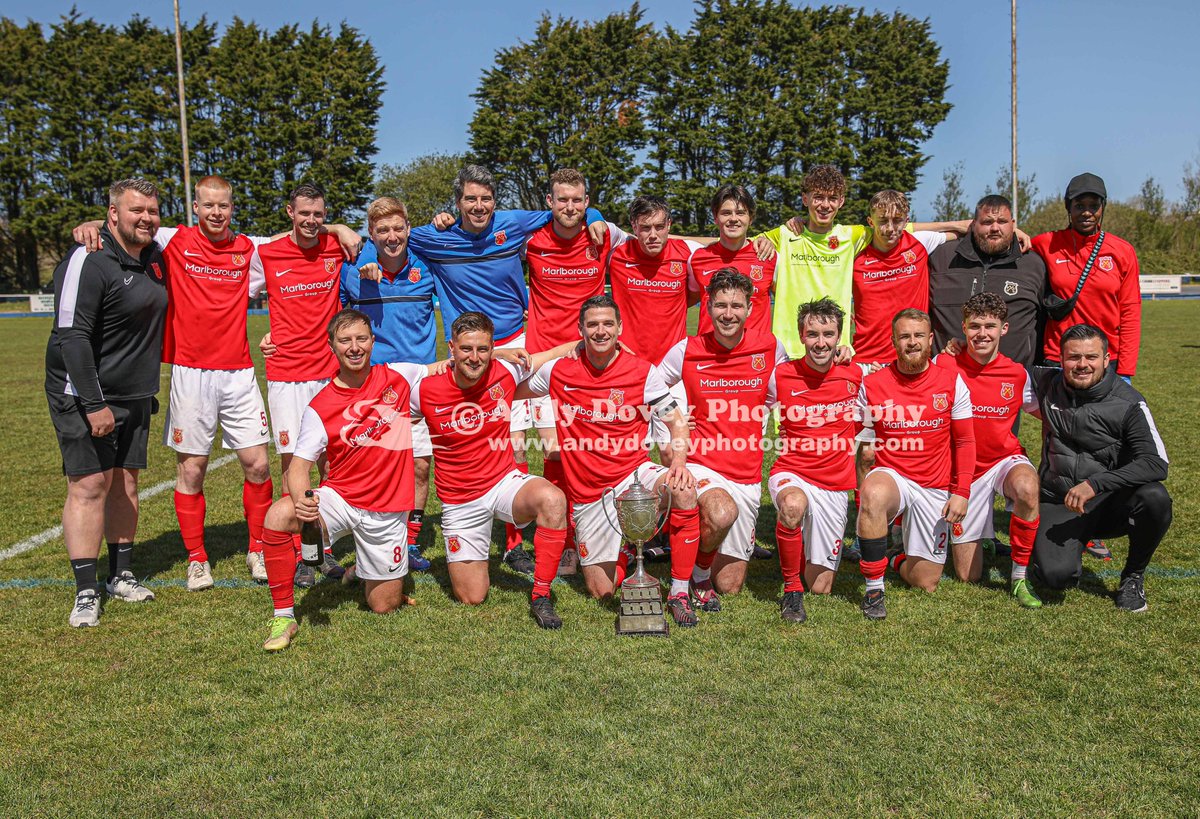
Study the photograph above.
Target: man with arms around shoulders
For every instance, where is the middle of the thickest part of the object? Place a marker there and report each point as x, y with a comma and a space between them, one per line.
733, 210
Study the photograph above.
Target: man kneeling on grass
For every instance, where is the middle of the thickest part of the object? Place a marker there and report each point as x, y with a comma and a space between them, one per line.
361, 421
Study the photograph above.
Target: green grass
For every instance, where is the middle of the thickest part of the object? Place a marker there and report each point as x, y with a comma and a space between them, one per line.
959, 704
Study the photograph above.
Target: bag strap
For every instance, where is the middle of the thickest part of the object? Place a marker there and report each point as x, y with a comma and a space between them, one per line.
1087, 268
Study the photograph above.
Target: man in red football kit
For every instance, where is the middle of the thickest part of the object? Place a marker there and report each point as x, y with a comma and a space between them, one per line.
360, 422
1111, 298
1000, 388
818, 422
917, 418
725, 373
602, 400
652, 289
477, 480
733, 211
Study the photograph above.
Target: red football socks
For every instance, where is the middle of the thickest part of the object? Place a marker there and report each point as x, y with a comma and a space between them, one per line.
280, 558
548, 545
256, 500
1021, 534
791, 557
189, 511
684, 535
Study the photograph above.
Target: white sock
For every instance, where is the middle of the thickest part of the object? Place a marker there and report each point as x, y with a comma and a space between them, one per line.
1018, 572
678, 587
290, 611
700, 575
875, 584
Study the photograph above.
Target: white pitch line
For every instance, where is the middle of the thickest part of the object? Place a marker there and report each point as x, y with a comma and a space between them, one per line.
56, 531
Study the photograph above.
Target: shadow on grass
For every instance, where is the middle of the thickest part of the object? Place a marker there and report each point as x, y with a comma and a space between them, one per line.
166, 555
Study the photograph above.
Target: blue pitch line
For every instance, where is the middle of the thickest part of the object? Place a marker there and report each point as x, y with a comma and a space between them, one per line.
425, 580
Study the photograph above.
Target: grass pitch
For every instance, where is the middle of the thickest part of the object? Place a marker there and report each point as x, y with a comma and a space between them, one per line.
959, 704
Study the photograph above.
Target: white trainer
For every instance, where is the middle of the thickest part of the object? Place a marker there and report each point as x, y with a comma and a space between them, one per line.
87, 609
257, 565
127, 587
199, 577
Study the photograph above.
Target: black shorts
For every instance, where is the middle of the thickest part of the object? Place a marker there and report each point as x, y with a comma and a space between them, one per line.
124, 447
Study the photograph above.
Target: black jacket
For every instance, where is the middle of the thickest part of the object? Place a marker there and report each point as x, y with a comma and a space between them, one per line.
1104, 435
957, 272
109, 313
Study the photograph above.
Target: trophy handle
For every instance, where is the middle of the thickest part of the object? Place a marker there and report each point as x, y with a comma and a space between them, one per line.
616, 526
664, 489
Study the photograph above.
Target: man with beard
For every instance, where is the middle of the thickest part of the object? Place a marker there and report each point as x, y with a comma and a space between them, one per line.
989, 260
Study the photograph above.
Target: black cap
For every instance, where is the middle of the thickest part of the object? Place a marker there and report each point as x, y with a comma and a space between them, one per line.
1084, 184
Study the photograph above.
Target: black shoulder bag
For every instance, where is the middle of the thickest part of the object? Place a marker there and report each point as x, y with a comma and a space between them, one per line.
1059, 308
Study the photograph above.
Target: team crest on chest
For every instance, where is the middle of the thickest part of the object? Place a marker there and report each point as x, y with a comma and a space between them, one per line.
176, 435
501, 237
833, 243
1007, 390
909, 256
591, 253
238, 259
330, 265
284, 437
758, 362
414, 275
617, 397
1105, 263
1010, 288
496, 392
389, 396
676, 268
941, 401
452, 544
756, 272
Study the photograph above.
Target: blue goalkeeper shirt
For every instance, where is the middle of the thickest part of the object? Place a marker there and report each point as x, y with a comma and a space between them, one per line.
401, 310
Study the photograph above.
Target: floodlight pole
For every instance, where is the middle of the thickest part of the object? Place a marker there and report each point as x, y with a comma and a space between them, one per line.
183, 118
1015, 203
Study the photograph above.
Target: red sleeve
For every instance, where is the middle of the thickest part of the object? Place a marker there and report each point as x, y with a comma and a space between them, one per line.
962, 456
1130, 306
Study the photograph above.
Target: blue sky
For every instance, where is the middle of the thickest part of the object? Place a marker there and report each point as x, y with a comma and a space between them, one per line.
1104, 86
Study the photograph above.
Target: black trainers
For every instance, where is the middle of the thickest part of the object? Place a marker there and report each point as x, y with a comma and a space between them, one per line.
544, 614
705, 596
1131, 596
657, 549
792, 607
873, 607
680, 606
331, 568
760, 553
306, 576
519, 560
852, 552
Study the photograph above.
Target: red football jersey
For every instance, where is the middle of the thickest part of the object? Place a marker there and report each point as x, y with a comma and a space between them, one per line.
302, 290
207, 293
885, 284
652, 294
563, 274
818, 422
999, 391
469, 430
910, 418
367, 435
1111, 298
727, 390
708, 260
602, 418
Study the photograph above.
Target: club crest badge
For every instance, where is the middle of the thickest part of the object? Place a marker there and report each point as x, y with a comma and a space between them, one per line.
703, 482
414, 275
676, 268
941, 401
617, 397
756, 272
496, 392
176, 435
1105, 263
758, 362
452, 544
389, 396
591, 253
1007, 390
238, 259
583, 552
330, 265
1010, 288
909, 256
284, 438
957, 529
156, 270
501, 237
833, 243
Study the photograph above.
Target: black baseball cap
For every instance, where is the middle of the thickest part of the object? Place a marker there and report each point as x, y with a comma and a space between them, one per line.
1084, 184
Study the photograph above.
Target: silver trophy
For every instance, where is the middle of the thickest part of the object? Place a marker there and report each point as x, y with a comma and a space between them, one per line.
638, 520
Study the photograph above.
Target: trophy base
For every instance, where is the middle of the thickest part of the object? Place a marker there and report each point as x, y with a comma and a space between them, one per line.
641, 613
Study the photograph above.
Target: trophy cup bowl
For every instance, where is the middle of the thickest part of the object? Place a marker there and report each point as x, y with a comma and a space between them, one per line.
641, 596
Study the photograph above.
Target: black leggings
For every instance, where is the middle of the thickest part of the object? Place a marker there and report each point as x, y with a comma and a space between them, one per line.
1142, 512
